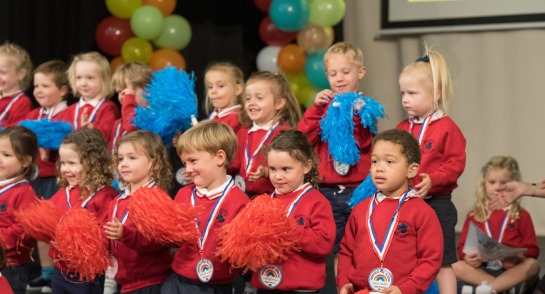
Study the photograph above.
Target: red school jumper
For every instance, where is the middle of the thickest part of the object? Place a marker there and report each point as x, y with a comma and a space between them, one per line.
228, 116
310, 126
13, 109
414, 256
125, 124
102, 118
306, 269
187, 256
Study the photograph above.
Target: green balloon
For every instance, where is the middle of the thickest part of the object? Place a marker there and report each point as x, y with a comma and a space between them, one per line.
136, 49
147, 22
176, 33
326, 12
123, 8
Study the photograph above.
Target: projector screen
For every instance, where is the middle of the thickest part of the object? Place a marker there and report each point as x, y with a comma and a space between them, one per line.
428, 16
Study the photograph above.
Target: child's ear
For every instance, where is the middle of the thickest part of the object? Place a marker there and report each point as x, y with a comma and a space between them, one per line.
239, 88
221, 156
413, 170
307, 167
63, 90
280, 103
361, 72
27, 162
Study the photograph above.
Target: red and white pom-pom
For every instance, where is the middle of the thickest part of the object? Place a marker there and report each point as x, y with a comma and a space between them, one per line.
159, 218
81, 243
39, 220
260, 234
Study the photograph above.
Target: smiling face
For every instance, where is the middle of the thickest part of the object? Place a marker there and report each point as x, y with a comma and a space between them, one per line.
260, 103
390, 171
221, 88
285, 172
46, 91
342, 73
205, 169
71, 166
133, 165
10, 76
88, 80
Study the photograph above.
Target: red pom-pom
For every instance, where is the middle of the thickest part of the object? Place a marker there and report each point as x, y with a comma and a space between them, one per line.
39, 220
159, 218
82, 244
260, 234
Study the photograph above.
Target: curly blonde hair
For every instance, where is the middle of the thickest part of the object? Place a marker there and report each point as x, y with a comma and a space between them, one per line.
20, 58
152, 146
95, 159
498, 162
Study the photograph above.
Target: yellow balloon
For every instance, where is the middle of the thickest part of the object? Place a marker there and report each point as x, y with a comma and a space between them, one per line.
123, 8
136, 49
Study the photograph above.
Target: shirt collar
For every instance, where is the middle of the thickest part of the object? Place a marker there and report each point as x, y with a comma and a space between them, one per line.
266, 127
303, 186
214, 193
381, 196
93, 102
435, 116
9, 181
56, 108
226, 111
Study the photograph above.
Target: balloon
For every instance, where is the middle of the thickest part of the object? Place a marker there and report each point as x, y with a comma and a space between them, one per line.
136, 49
315, 70
267, 58
271, 35
326, 12
111, 33
166, 57
123, 8
263, 5
147, 22
289, 15
291, 59
166, 6
176, 33
116, 63
311, 97
300, 86
313, 38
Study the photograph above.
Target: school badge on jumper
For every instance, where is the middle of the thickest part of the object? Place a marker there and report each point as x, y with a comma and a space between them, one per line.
380, 278
239, 182
270, 276
205, 270
341, 168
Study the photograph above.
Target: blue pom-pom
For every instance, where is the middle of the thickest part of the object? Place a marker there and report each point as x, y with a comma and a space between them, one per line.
172, 102
365, 190
371, 113
433, 289
49, 133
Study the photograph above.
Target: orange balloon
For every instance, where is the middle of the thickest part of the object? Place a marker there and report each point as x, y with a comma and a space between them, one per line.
116, 63
166, 6
166, 57
292, 59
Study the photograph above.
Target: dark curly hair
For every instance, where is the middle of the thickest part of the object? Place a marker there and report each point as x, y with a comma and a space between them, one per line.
410, 148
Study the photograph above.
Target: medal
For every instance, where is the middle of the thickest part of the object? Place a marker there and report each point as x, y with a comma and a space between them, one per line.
180, 177
380, 278
239, 182
204, 269
270, 276
494, 265
111, 271
341, 168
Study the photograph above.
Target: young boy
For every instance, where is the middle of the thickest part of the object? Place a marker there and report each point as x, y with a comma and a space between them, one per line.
206, 150
392, 239
344, 68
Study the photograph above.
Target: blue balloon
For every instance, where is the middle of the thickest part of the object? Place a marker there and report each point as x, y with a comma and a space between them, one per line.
315, 70
289, 15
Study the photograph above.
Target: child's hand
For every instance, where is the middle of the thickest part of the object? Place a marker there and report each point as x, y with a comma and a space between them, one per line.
359, 104
114, 229
473, 260
261, 172
423, 187
85, 122
347, 289
44, 154
323, 97
391, 290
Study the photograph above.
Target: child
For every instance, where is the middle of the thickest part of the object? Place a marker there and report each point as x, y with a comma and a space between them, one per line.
18, 149
4, 285
206, 150
511, 226
90, 79
143, 265
294, 174
15, 71
344, 68
84, 167
224, 83
50, 90
390, 242
129, 80
270, 107
426, 92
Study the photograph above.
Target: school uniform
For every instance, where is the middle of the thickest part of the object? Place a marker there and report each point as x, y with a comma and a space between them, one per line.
4, 285
101, 112
13, 109
125, 124
229, 116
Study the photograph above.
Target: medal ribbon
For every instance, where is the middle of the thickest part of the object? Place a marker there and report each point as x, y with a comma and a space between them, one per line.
502, 230
215, 210
381, 250
247, 157
84, 203
304, 190
425, 125
224, 112
116, 135
5, 112
93, 113
49, 114
12, 185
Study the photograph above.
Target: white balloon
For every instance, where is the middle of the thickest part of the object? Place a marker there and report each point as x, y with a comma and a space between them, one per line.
267, 58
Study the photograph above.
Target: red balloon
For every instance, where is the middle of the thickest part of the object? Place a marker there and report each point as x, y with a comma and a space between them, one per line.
272, 35
111, 33
263, 5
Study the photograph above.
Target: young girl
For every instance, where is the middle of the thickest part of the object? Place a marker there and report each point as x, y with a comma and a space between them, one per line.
129, 80
426, 92
4, 285
84, 167
90, 79
15, 76
294, 174
143, 265
511, 226
50, 89
270, 107
18, 149
224, 83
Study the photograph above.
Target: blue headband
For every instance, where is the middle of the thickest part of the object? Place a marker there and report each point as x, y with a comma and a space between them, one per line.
423, 59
